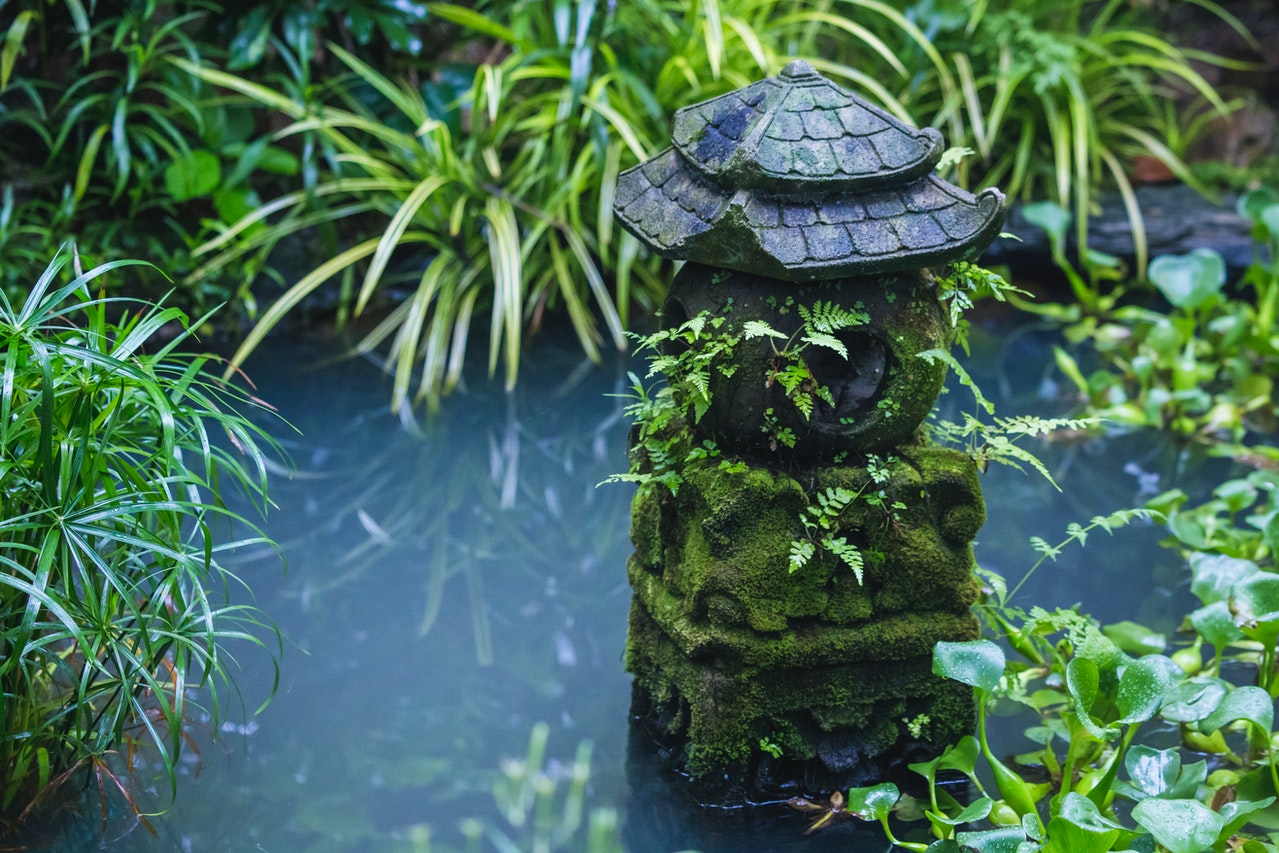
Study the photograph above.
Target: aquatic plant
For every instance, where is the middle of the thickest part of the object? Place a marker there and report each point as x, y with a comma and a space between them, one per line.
117, 452
1093, 689
1203, 369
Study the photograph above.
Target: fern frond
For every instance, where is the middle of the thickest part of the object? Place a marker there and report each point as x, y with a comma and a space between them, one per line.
822, 339
801, 551
759, 329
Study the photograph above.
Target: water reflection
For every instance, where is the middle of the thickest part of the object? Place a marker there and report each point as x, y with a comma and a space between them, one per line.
447, 591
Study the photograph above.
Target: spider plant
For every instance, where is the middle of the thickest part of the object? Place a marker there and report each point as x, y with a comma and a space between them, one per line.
114, 458
1057, 101
503, 201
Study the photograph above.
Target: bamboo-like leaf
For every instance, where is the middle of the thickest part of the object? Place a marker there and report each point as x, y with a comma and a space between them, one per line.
294, 295
848, 25
504, 255
476, 21
393, 236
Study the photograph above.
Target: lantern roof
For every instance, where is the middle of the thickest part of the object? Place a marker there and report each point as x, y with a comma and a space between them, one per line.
795, 178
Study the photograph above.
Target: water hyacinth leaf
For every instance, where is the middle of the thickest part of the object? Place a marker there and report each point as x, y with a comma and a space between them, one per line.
1216, 624
873, 803
961, 756
1083, 681
945, 845
976, 810
1143, 686
1195, 698
1190, 280
1158, 773
1256, 605
1213, 576
1080, 828
1182, 826
1251, 704
1135, 639
1008, 839
978, 663
1239, 813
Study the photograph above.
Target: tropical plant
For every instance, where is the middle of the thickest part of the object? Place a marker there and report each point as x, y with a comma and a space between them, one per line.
1203, 369
1055, 102
112, 527
505, 195
1093, 689
117, 147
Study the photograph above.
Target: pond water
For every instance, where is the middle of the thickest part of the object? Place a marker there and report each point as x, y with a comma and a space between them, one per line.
446, 592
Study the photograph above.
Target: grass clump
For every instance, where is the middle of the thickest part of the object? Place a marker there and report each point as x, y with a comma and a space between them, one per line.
114, 459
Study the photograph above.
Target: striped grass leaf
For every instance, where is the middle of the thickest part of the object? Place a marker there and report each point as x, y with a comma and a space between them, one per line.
116, 462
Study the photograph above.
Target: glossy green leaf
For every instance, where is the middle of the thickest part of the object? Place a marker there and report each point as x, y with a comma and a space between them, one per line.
1083, 681
1216, 624
977, 810
1078, 827
873, 803
1143, 686
979, 663
1182, 826
1256, 606
1213, 576
1006, 840
1189, 281
1251, 704
1159, 773
1238, 813
1135, 639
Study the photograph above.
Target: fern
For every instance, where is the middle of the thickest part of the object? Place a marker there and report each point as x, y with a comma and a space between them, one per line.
823, 516
801, 551
1076, 532
831, 342
935, 355
849, 553
827, 317
759, 329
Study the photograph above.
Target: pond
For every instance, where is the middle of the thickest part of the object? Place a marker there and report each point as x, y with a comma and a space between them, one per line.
448, 591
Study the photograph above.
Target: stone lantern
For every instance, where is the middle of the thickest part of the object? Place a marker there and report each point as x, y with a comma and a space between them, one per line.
781, 197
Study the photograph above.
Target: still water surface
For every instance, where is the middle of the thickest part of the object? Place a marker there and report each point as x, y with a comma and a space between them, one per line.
447, 591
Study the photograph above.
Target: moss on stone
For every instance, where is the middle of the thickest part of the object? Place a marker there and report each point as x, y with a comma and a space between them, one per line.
724, 709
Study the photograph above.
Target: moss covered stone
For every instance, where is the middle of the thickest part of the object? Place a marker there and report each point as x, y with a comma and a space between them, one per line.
734, 647
882, 391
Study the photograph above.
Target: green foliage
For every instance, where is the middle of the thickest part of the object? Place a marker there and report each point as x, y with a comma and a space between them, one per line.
487, 185
961, 284
537, 817
690, 355
1203, 370
1092, 698
502, 235
111, 531
117, 148
1057, 100
995, 440
788, 367
821, 523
